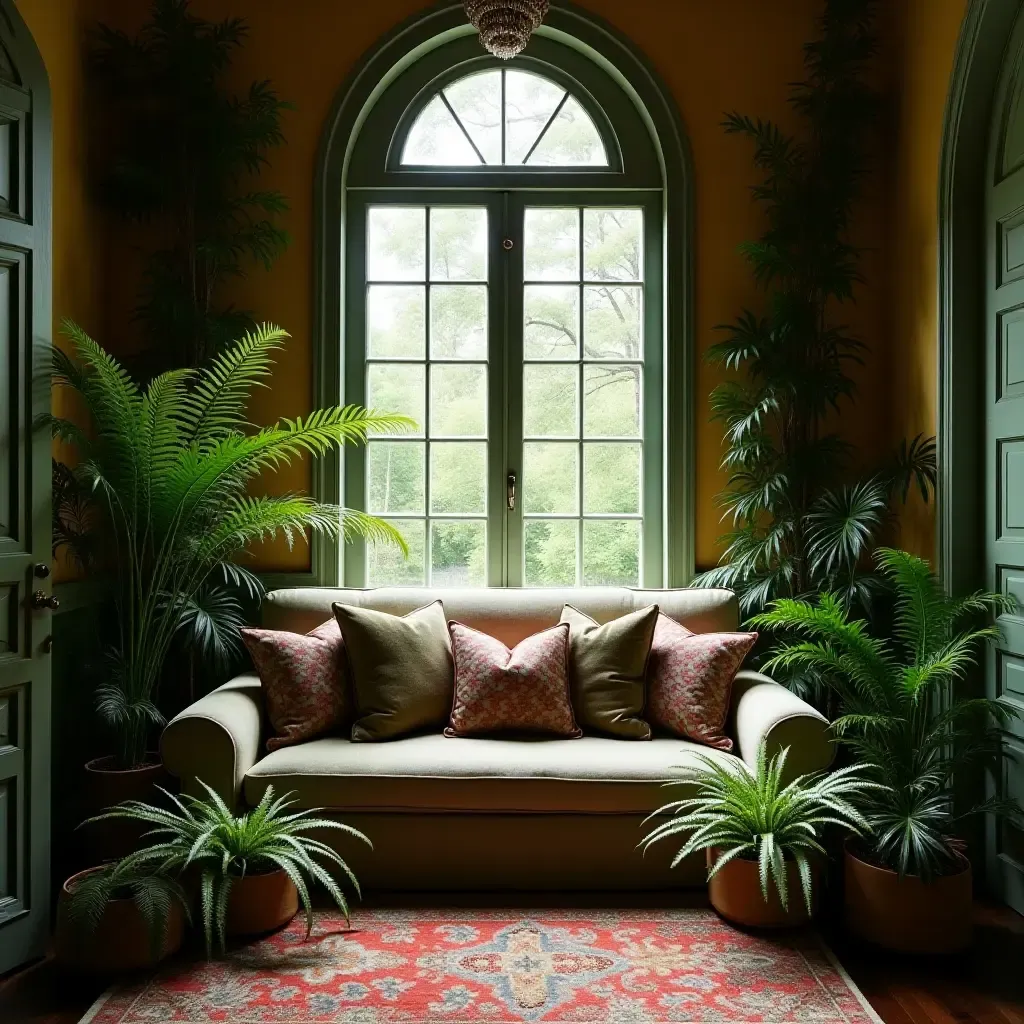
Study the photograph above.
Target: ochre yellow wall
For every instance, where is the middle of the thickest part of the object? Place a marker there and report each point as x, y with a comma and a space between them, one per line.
78, 230
924, 40
715, 57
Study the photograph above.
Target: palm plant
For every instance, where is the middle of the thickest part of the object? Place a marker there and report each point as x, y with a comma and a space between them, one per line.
901, 713
742, 812
797, 525
151, 887
168, 468
227, 847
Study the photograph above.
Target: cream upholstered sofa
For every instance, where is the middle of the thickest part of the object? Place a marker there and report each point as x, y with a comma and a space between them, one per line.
454, 813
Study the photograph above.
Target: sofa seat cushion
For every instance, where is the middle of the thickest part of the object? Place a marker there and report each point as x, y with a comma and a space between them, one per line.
592, 774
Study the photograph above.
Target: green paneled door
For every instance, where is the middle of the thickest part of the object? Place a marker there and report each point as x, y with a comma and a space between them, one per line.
1004, 441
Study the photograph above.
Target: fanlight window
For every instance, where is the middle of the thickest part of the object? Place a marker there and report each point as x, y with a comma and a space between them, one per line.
504, 118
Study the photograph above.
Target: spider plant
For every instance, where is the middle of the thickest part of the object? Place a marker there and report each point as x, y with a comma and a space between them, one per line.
737, 811
901, 713
169, 468
151, 887
226, 847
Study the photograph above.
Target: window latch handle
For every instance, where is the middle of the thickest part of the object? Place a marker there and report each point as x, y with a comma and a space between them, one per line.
511, 491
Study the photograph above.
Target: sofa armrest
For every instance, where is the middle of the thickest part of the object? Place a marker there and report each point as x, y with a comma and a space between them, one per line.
764, 710
217, 739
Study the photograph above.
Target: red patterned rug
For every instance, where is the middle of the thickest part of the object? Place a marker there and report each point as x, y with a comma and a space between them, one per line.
505, 967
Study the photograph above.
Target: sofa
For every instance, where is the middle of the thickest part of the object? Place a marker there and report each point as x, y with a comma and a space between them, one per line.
447, 813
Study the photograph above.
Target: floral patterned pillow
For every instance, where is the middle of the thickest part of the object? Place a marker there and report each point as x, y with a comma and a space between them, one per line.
689, 680
498, 690
303, 681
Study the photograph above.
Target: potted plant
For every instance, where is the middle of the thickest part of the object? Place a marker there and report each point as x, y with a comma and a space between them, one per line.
120, 917
169, 466
908, 882
761, 838
254, 868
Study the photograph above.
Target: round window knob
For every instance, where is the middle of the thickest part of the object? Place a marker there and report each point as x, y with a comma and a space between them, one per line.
507, 244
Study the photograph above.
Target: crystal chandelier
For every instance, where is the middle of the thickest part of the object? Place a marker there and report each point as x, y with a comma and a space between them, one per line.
505, 26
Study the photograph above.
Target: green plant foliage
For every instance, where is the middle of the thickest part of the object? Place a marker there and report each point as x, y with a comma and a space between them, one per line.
227, 847
168, 468
151, 887
749, 813
901, 713
796, 527
183, 156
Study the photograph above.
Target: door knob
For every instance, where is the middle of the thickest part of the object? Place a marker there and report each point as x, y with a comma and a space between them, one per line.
41, 600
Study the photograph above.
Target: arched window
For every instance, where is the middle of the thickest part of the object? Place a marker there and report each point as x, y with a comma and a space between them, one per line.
504, 285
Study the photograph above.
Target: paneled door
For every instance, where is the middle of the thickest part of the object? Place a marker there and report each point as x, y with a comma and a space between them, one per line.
25, 335
1004, 442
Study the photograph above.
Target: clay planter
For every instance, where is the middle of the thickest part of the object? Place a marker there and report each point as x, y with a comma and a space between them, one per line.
908, 914
120, 943
261, 903
735, 892
106, 786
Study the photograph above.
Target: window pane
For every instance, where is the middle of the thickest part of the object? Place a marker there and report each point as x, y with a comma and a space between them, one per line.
458, 554
612, 322
549, 478
397, 247
437, 140
571, 140
476, 100
397, 476
550, 549
611, 400
396, 321
458, 400
385, 565
529, 103
458, 243
458, 478
551, 328
611, 478
397, 387
552, 244
458, 321
613, 245
611, 553
550, 401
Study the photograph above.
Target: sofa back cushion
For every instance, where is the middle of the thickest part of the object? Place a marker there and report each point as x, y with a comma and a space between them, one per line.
509, 615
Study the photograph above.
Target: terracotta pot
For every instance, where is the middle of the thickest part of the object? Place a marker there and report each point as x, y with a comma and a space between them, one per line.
735, 892
908, 914
105, 786
261, 903
120, 943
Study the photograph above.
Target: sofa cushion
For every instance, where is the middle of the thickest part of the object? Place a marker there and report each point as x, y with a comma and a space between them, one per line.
400, 670
593, 774
608, 668
498, 690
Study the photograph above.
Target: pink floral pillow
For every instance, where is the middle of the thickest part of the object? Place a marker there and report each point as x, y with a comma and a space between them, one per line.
498, 690
689, 680
303, 681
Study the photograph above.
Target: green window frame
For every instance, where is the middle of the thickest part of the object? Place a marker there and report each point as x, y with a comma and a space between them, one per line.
365, 171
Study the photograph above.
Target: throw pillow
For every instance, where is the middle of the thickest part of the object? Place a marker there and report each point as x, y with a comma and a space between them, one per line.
608, 669
400, 669
303, 681
689, 681
523, 689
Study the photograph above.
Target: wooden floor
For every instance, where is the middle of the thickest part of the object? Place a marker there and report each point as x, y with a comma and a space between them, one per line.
985, 986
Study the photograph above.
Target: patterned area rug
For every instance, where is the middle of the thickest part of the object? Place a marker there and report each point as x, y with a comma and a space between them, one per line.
505, 967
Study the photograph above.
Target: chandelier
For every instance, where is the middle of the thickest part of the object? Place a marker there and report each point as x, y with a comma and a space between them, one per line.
505, 26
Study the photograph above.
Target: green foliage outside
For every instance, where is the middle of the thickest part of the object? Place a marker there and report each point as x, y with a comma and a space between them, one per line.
796, 525
902, 713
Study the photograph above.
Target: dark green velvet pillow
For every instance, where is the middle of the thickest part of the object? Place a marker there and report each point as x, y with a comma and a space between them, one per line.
608, 671
400, 670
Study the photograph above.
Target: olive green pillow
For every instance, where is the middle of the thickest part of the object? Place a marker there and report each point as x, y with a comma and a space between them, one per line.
608, 671
400, 670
